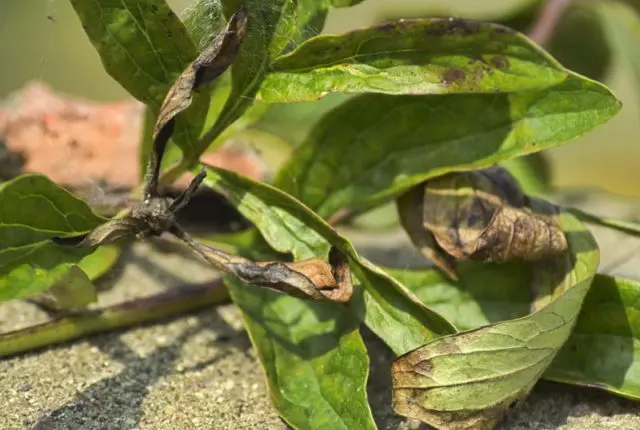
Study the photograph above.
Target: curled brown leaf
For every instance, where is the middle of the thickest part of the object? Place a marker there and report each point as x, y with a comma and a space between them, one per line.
209, 65
313, 279
480, 215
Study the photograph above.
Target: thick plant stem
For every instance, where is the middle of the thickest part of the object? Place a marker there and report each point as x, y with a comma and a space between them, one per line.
81, 324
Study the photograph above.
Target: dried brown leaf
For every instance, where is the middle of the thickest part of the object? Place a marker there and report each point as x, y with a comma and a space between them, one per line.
308, 279
480, 215
210, 64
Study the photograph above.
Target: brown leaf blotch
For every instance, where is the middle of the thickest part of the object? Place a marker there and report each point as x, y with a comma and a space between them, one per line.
499, 62
452, 75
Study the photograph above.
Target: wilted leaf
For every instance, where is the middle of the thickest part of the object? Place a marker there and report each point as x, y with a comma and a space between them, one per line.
418, 56
467, 380
288, 226
374, 147
145, 47
209, 65
603, 350
32, 211
312, 278
479, 215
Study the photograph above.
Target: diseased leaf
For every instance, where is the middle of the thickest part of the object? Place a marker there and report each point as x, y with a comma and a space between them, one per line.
413, 56
288, 226
479, 215
468, 379
374, 147
316, 363
311, 278
603, 350
32, 211
145, 47
209, 65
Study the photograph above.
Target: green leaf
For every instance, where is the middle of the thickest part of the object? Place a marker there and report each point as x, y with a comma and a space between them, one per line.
532, 172
72, 291
75, 289
391, 311
145, 47
485, 293
98, 263
315, 360
32, 211
603, 350
419, 56
470, 378
270, 25
374, 147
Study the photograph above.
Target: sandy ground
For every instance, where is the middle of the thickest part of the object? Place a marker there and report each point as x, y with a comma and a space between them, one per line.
200, 372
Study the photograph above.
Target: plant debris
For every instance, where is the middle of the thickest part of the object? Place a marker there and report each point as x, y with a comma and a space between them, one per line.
156, 214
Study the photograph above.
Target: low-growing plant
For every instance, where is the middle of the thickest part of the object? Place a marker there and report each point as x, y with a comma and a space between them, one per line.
445, 117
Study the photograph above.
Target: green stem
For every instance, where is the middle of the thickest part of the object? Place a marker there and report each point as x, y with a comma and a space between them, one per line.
77, 325
629, 227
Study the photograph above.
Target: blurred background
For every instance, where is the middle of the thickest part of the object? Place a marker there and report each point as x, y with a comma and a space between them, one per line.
43, 40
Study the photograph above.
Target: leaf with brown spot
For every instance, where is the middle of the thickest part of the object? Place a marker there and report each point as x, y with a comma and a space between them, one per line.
468, 379
412, 56
480, 215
